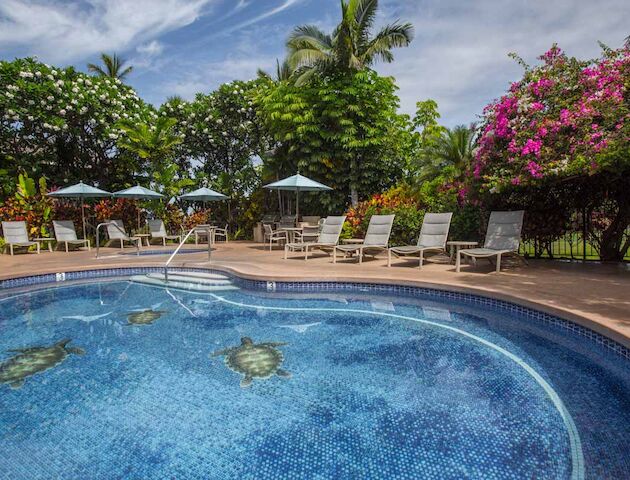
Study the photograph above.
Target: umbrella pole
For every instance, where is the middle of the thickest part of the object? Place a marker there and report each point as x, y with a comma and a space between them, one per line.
297, 206
83, 217
138, 208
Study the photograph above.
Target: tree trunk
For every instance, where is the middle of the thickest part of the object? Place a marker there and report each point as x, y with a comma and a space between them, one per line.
354, 192
613, 244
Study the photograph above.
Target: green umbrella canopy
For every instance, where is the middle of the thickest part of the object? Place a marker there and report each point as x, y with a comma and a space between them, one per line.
297, 183
138, 193
203, 195
80, 190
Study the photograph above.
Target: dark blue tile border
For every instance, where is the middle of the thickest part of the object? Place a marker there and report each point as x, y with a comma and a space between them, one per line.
341, 287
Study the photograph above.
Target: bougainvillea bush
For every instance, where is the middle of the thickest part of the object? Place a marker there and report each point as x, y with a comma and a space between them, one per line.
565, 121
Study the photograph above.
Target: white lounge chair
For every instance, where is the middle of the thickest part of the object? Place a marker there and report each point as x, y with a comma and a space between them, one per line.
66, 233
274, 236
433, 236
376, 238
16, 235
328, 238
158, 230
222, 232
502, 237
116, 231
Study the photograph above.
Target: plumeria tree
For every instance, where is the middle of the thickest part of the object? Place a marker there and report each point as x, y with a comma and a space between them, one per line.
222, 136
566, 121
63, 124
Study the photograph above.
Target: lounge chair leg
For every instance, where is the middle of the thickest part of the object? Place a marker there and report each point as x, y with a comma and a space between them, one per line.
498, 263
334, 255
38, 248
11, 248
389, 258
286, 251
89, 246
421, 259
66, 247
458, 261
360, 256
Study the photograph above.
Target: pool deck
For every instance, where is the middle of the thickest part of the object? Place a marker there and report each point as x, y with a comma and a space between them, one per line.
594, 295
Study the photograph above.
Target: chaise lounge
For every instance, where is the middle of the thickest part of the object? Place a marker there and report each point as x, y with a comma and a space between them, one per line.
67, 234
376, 238
433, 236
16, 235
503, 237
328, 238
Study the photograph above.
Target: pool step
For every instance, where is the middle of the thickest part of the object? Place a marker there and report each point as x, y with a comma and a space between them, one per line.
197, 281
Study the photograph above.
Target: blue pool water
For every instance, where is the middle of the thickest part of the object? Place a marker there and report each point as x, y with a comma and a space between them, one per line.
379, 388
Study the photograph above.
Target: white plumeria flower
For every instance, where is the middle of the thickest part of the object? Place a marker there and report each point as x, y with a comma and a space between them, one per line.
38, 74
62, 112
50, 98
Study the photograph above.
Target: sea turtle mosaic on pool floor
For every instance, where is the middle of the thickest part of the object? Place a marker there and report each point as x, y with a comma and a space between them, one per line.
144, 317
254, 360
32, 360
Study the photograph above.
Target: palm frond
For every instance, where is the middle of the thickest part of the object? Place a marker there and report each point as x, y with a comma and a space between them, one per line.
391, 36
365, 15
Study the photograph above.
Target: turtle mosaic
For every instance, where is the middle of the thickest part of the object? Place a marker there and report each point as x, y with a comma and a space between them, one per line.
144, 317
32, 360
254, 360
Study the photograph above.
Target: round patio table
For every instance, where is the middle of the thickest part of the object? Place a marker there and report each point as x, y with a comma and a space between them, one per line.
145, 236
291, 232
457, 245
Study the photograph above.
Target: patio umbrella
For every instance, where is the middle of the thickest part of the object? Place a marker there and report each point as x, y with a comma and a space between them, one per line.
297, 183
203, 195
137, 193
80, 191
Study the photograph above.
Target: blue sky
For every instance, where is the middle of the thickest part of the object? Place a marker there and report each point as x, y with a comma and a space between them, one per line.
459, 55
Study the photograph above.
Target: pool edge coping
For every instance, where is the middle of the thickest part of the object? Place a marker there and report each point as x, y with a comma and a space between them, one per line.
526, 306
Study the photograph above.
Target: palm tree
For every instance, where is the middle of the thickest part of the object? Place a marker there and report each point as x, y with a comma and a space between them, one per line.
283, 72
454, 149
150, 142
112, 67
350, 47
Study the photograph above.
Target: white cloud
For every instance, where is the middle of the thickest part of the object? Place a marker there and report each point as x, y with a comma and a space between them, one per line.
64, 31
151, 49
459, 56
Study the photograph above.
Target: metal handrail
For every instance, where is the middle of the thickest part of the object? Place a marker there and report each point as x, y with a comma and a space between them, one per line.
208, 229
120, 230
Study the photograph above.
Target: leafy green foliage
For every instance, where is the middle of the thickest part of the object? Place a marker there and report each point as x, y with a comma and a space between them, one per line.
335, 130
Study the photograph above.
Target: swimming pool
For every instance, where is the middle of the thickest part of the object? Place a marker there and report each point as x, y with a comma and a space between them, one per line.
152, 383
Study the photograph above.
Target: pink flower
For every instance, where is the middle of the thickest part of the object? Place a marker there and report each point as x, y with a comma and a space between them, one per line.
516, 181
534, 169
532, 146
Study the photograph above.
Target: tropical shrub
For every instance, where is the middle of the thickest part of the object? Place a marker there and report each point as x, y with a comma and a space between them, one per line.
565, 122
119, 209
200, 217
399, 201
29, 204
